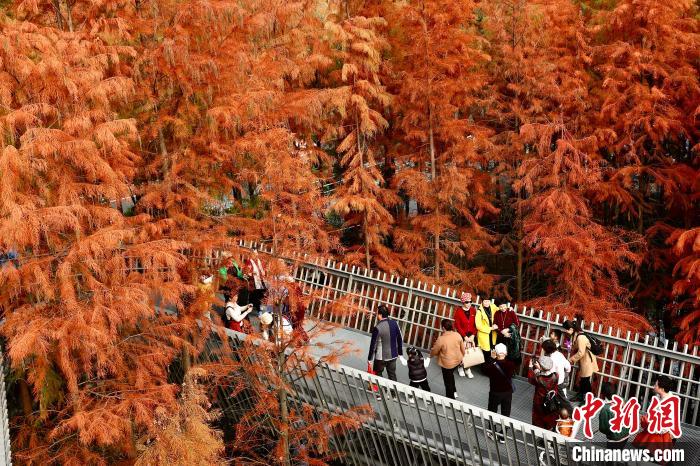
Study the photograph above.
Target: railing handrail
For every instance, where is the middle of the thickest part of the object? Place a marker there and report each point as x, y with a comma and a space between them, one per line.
387, 386
450, 296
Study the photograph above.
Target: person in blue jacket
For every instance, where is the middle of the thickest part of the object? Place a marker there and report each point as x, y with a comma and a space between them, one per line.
386, 345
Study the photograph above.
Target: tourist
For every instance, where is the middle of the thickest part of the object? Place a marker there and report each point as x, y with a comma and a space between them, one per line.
235, 313
465, 325
541, 374
508, 331
297, 309
417, 368
664, 439
616, 440
581, 353
266, 325
562, 340
562, 366
486, 329
565, 425
257, 271
500, 373
449, 349
386, 344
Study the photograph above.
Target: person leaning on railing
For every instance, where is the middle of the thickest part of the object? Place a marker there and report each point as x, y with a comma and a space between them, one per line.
581, 354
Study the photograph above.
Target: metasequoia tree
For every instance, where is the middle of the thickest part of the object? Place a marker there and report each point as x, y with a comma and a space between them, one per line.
79, 320
263, 121
553, 162
646, 55
358, 101
185, 438
278, 427
514, 94
583, 258
227, 85
442, 159
230, 83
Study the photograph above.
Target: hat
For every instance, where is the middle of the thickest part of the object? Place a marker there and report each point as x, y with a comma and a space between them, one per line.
501, 349
546, 363
465, 297
266, 318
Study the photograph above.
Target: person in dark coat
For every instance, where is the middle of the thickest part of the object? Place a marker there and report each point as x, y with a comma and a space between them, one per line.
297, 311
386, 344
500, 373
544, 378
509, 331
417, 368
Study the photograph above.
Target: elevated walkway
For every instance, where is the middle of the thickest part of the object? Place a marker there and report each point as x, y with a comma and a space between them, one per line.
475, 391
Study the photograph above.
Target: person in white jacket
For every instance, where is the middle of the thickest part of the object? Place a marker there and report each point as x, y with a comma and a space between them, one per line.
562, 366
235, 314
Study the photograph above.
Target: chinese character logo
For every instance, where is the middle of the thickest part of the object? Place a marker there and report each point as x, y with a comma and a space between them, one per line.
665, 416
625, 415
587, 412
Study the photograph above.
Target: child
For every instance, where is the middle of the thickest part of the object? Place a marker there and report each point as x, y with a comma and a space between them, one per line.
565, 425
417, 373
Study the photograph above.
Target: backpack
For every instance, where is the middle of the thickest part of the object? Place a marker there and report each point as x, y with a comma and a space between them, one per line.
552, 402
596, 345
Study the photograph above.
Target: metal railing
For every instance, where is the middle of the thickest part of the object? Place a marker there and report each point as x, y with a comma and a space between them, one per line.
630, 360
5, 450
410, 426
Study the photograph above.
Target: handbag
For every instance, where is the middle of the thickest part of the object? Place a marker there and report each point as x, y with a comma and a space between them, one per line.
551, 402
472, 357
372, 386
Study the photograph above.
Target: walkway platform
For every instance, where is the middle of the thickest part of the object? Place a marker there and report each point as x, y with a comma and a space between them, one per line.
472, 391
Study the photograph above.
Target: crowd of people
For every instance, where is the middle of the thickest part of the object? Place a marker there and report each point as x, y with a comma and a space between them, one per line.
483, 336
250, 298
487, 336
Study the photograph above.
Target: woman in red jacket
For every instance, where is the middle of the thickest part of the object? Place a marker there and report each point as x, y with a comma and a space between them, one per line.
465, 325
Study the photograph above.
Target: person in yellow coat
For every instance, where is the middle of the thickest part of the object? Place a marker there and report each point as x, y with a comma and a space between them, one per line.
486, 330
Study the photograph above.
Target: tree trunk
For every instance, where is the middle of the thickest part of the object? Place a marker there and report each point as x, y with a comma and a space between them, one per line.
519, 277
433, 176
643, 186
186, 362
368, 258
274, 228
519, 239
59, 16
365, 226
285, 459
25, 397
433, 168
69, 16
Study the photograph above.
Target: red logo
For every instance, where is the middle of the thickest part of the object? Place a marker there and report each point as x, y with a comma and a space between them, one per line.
587, 412
665, 416
625, 415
